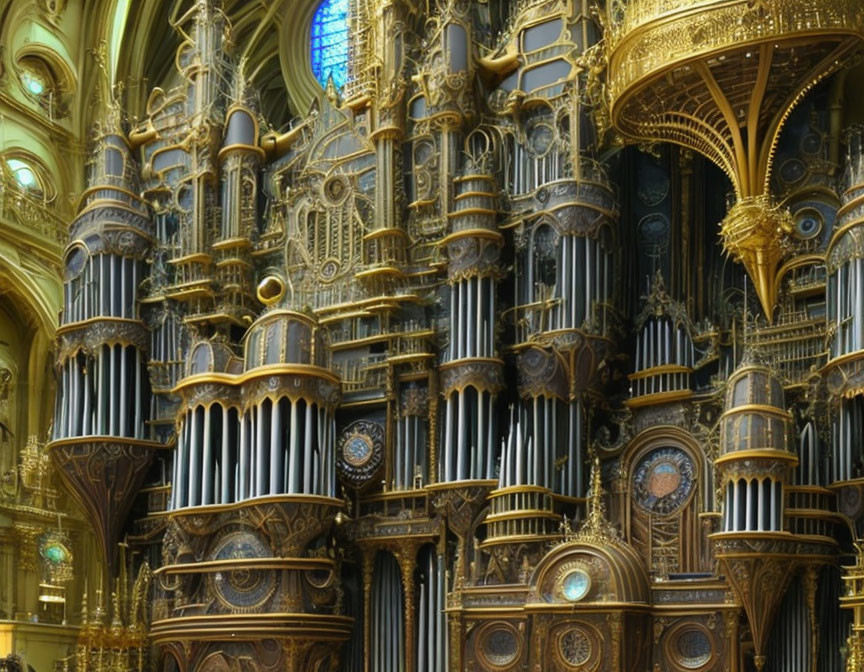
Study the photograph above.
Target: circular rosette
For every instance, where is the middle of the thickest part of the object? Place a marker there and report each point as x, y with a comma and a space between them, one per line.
361, 452
663, 480
578, 647
241, 588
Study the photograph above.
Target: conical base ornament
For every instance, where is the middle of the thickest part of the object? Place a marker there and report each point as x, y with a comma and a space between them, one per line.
753, 233
759, 582
104, 474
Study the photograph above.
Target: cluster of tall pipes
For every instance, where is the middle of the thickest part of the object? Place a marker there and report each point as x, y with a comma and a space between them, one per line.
753, 505
845, 315
809, 471
470, 411
469, 432
411, 463
103, 393
656, 346
432, 638
847, 440
106, 287
472, 314
791, 641
104, 387
531, 449
387, 651
277, 447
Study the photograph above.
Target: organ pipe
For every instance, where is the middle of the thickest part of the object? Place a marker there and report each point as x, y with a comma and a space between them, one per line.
295, 431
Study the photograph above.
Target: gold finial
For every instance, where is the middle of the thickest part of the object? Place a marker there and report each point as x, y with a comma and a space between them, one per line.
85, 617
116, 621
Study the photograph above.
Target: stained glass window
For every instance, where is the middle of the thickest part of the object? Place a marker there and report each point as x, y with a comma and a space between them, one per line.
329, 48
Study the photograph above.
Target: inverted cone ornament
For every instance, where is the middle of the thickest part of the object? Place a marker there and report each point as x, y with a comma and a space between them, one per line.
721, 77
104, 474
753, 233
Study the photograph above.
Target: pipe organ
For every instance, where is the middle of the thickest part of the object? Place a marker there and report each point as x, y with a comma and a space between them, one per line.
371, 374
665, 352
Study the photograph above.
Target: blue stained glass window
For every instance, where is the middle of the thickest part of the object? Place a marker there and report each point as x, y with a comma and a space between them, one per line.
329, 48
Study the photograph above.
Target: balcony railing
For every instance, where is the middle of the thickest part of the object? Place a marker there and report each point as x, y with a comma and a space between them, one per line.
31, 215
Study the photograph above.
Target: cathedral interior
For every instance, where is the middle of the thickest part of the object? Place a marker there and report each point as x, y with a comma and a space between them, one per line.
431, 335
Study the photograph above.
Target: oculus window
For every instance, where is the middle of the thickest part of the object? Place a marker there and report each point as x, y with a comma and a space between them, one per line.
329, 43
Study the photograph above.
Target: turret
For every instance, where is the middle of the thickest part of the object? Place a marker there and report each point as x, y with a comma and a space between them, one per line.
101, 434
757, 554
755, 461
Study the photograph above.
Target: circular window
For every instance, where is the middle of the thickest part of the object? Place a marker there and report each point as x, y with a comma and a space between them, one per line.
499, 646
692, 649
663, 480
576, 585
270, 290
808, 223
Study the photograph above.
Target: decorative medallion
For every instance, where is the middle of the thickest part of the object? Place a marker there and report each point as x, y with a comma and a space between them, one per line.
335, 189
242, 590
663, 480
577, 646
691, 648
499, 646
56, 557
361, 451
329, 269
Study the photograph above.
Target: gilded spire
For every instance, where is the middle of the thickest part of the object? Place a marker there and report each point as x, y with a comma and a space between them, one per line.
596, 528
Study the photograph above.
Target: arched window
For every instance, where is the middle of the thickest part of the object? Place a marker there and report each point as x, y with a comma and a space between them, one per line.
40, 83
329, 45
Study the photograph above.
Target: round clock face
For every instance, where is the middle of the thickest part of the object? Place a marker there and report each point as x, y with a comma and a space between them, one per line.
576, 585
663, 480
